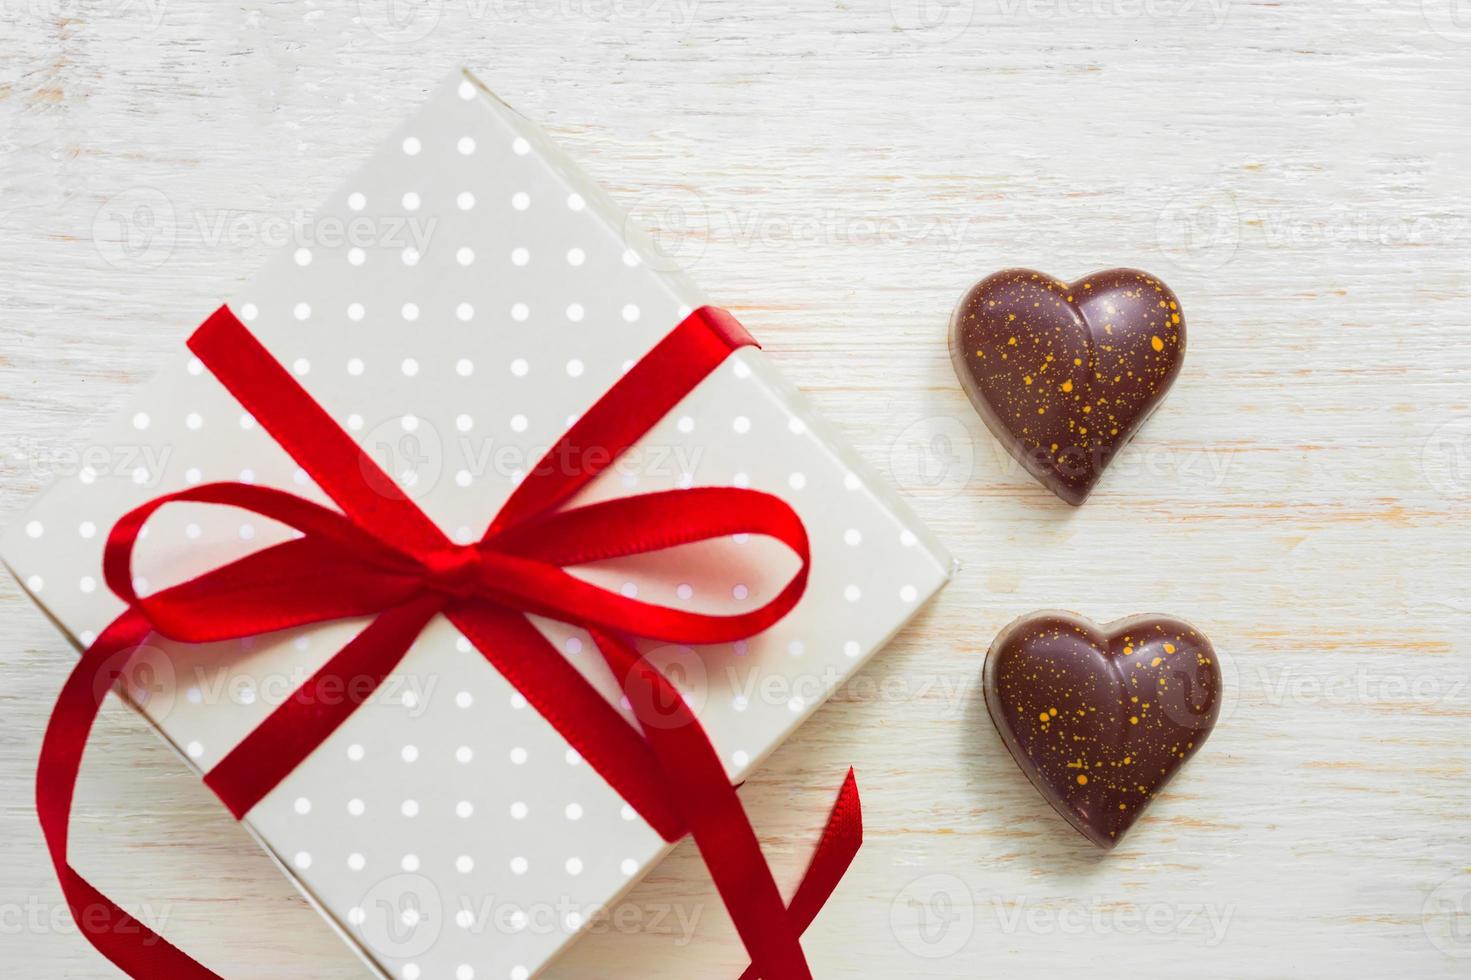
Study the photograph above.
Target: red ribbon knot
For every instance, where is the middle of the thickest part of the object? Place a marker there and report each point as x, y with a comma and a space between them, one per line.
381, 556
456, 571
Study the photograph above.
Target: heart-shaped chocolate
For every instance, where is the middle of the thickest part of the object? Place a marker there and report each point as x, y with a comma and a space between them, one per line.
1101, 718
1065, 373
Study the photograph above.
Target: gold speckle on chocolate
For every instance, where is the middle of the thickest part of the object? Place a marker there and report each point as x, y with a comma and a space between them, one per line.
1116, 338
1065, 696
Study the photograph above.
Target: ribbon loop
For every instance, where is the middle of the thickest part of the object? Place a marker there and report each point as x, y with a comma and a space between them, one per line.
651, 522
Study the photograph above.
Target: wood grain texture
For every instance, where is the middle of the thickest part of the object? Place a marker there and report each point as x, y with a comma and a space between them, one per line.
838, 173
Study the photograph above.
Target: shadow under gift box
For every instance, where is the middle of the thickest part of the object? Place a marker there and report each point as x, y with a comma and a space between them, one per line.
454, 307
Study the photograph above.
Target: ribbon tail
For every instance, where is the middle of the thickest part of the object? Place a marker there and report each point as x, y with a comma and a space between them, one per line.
698, 782
839, 844
134, 948
302, 722
592, 727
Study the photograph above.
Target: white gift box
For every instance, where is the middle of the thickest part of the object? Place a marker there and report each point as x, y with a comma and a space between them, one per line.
464, 298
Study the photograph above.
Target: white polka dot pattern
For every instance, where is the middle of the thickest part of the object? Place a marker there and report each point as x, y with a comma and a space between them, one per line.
493, 299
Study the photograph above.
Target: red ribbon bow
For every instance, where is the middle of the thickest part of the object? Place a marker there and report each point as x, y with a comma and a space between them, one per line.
381, 556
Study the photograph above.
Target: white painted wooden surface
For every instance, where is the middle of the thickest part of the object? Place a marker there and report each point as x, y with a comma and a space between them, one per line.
838, 173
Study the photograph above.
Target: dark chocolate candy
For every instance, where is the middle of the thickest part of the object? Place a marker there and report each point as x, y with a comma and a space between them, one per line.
1101, 718
1065, 373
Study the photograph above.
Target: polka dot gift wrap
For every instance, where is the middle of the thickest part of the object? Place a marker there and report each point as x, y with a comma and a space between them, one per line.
455, 308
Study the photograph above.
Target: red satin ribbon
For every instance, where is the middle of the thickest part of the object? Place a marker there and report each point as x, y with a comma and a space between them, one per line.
381, 556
